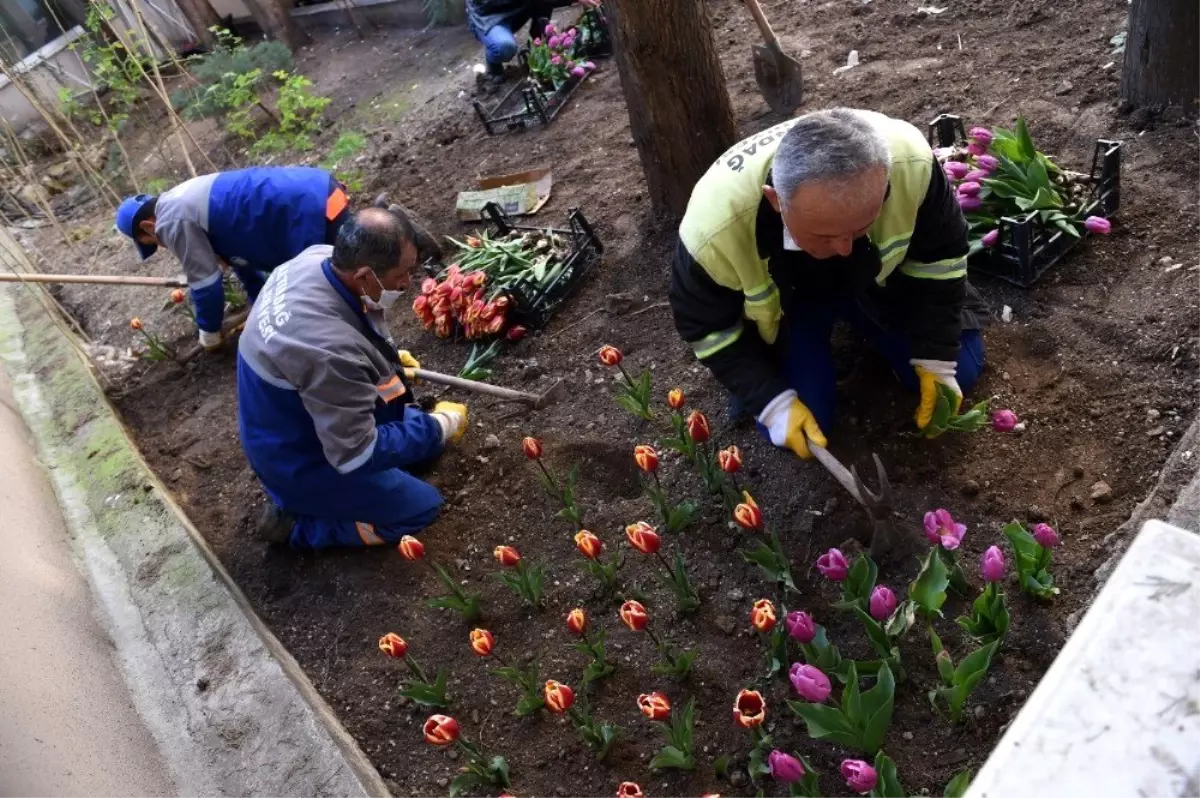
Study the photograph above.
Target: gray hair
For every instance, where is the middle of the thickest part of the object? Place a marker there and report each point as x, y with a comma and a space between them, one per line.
825, 145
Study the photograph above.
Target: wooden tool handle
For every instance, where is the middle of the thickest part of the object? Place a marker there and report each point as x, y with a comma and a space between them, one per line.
839, 471
764, 27
477, 387
95, 279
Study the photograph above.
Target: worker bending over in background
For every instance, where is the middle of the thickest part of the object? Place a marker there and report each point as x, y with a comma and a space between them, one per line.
496, 22
325, 412
839, 214
251, 219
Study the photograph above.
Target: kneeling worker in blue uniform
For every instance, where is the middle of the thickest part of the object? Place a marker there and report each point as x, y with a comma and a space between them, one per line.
835, 215
325, 411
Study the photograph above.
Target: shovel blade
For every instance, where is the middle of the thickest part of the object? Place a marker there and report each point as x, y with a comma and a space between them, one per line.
555, 394
779, 78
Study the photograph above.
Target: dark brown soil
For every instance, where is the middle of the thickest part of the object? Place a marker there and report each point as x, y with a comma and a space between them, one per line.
1106, 338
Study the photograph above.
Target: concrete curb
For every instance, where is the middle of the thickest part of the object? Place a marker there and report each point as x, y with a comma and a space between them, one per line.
229, 707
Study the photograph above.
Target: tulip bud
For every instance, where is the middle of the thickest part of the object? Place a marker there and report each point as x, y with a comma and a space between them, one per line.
785, 768
441, 730
883, 603
697, 427
482, 642
654, 706
555, 42
634, 615
833, 566
588, 544
747, 515
968, 203
810, 682
532, 448
976, 176
516, 332
749, 709
177, 296
969, 188
976, 149
987, 163
428, 286
589, 66
1004, 420
495, 325
762, 615
980, 135
578, 71
675, 399
577, 621
730, 460
135, 323
393, 645
559, 697
506, 556
1045, 535
629, 789
643, 537
550, 30
800, 626
610, 355
859, 775
411, 549
646, 458
992, 565
1098, 225
956, 169
991, 238
472, 242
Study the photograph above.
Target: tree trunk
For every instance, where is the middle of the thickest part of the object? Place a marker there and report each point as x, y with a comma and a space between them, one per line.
1160, 53
275, 20
679, 111
201, 16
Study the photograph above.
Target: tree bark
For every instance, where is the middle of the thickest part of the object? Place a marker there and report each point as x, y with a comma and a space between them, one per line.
201, 16
679, 110
1160, 53
275, 21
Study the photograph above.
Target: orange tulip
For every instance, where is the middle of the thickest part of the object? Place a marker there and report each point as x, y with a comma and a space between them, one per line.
482, 642
629, 789
645, 457
577, 621
747, 515
675, 399
749, 710
654, 706
610, 355
393, 645
697, 427
411, 549
441, 730
506, 556
588, 544
730, 460
762, 616
532, 448
135, 323
559, 697
177, 296
634, 615
643, 537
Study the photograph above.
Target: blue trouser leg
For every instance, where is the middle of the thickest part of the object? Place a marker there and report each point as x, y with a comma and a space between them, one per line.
311, 532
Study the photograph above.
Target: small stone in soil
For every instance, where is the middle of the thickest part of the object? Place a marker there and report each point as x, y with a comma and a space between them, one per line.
1154, 433
738, 778
736, 595
452, 754
491, 442
443, 782
980, 711
1035, 513
970, 488
1064, 87
1102, 493
475, 716
1077, 471
907, 735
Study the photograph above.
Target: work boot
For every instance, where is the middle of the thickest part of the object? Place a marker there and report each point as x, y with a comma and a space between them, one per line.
491, 78
274, 525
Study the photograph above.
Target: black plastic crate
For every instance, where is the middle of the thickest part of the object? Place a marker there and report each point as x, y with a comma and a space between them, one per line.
534, 307
526, 104
1027, 248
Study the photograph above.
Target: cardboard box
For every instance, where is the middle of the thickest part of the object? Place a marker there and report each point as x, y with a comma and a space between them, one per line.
519, 194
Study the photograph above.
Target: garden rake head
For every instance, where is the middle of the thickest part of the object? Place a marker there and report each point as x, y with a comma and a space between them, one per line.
879, 506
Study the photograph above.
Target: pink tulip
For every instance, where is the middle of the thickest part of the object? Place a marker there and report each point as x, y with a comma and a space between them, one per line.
1098, 225
991, 238
578, 71
987, 163
589, 66
956, 169
555, 42
969, 204
969, 188
1045, 535
556, 60
980, 135
810, 683
833, 566
537, 42
800, 626
1004, 421
976, 176
550, 30
883, 603
785, 768
991, 565
861, 777
941, 528
976, 149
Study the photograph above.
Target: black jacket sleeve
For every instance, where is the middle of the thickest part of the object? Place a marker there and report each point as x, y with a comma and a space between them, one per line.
929, 311
747, 367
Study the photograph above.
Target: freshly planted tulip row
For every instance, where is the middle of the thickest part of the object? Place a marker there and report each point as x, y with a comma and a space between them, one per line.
798, 648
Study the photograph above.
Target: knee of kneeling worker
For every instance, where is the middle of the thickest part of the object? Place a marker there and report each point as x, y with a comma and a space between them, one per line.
970, 359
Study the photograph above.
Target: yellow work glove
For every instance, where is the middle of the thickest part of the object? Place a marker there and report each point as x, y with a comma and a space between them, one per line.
409, 363
931, 374
791, 425
453, 418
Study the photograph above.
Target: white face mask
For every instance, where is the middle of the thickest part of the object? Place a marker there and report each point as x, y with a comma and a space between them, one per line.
387, 297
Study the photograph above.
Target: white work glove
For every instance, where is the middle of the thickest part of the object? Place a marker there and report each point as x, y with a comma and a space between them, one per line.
791, 424
453, 418
931, 374
210, 340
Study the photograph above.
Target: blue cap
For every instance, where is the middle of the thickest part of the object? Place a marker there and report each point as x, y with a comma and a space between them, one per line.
127, 215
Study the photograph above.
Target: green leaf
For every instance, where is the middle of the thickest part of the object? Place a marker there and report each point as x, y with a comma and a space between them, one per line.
861, 579
826, 723
1024, 141
968, 674
463, 782
852, 706
877, 704
901, 621
721, 767
879, 638
671, 757
928, 590
957, 787
529, 704
889, 782
424, 694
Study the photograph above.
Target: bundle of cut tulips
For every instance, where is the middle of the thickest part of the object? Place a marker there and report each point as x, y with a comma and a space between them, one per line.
474, 295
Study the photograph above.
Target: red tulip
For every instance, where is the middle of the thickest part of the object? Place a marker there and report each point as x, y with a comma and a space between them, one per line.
645, 457
577, 621
675, 399
516, 332
610, 355
532, 448
482, 642
749, 710
762, 616
177, 296
506, 556
393, 645
730, 460
411, 549
634, 615
441, 730
588, 544
747, 515
654, 706
428, 286
643, 537
697, 427
559, 697
135, 323
629, 789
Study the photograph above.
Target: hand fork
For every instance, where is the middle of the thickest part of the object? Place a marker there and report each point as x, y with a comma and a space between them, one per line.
878, 505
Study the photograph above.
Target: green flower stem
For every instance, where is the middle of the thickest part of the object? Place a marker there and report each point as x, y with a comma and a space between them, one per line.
550, 478
416, 669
